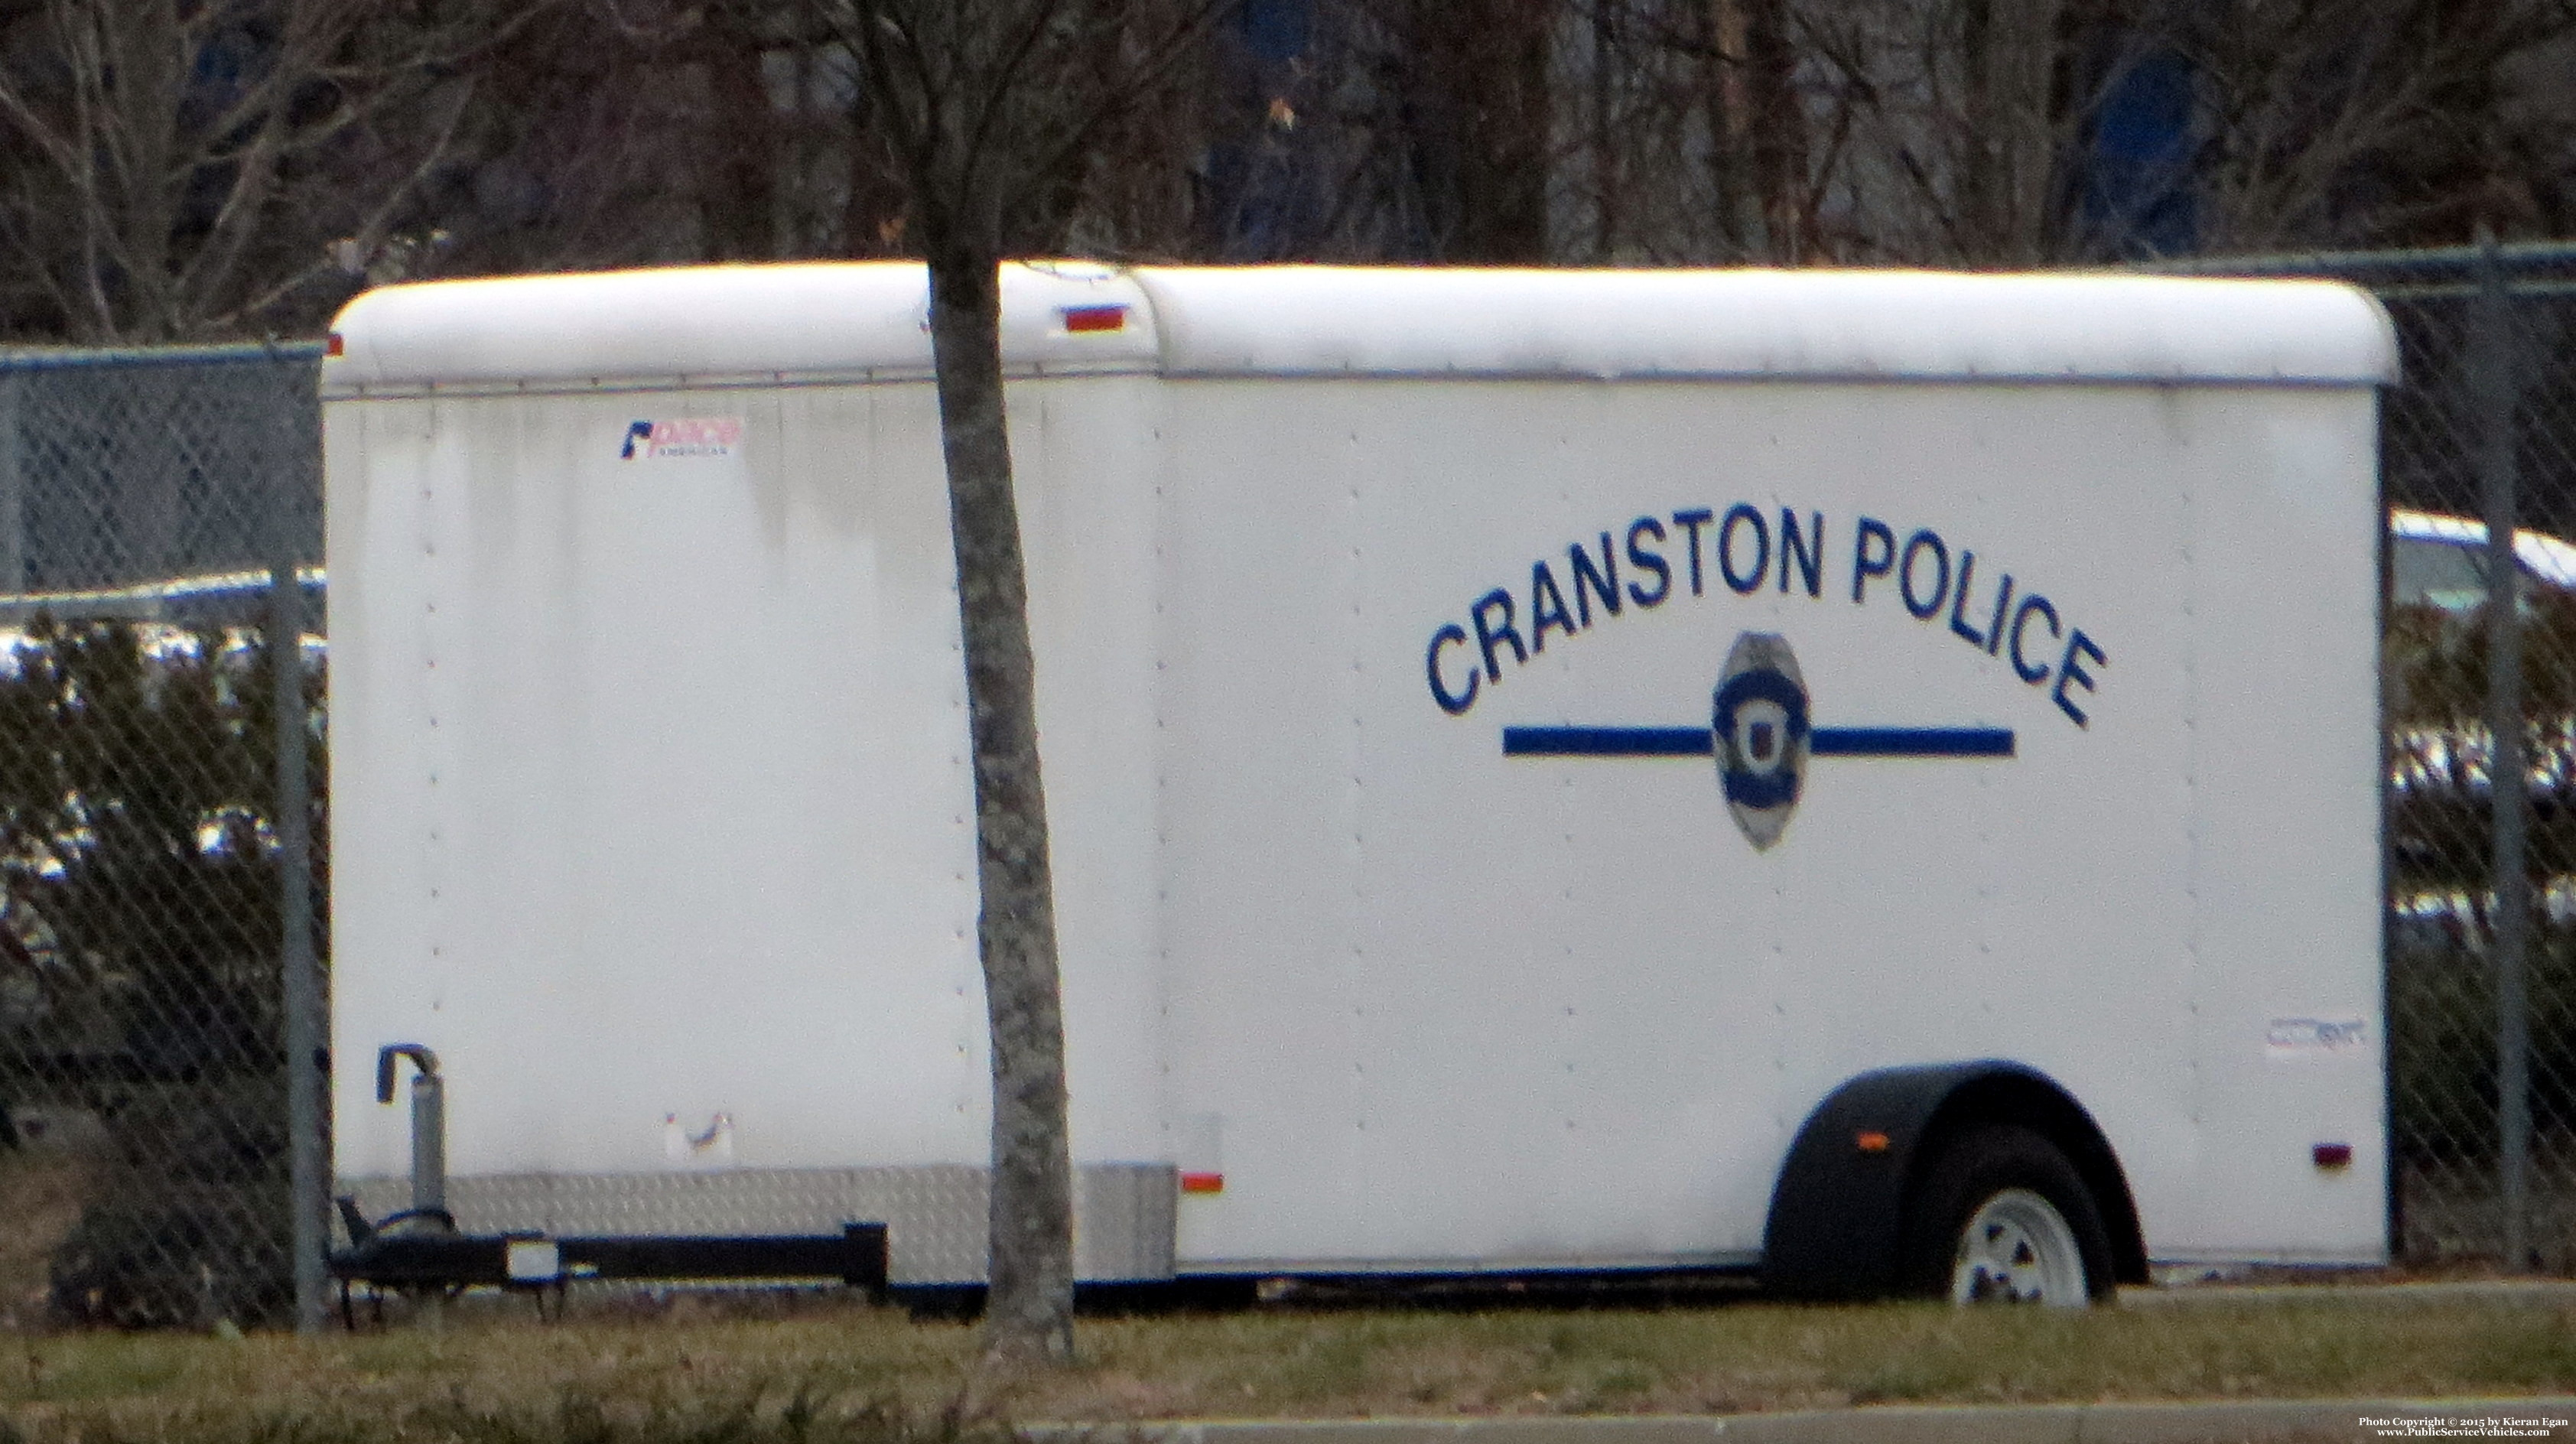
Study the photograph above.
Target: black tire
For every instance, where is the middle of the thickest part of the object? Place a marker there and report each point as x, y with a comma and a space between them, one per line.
1997, 1164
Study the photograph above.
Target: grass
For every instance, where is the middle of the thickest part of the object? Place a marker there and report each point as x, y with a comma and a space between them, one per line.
40, 1199
832, 1373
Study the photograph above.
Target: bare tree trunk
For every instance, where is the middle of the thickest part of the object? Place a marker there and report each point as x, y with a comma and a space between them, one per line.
1973, 201
2008, 131
740, 201
1605, 150
1029, 1308
144, 49
1483, 67
1779, 132
1731, 126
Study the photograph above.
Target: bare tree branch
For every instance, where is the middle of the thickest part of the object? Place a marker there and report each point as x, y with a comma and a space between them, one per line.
193, 161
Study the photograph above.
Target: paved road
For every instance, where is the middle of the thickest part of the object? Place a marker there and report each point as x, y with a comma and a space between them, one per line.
2234, 1422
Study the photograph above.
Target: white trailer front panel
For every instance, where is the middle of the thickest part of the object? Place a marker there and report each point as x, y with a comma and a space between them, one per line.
651, 800
652, 805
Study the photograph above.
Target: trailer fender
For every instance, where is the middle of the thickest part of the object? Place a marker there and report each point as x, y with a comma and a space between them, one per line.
1838, 1209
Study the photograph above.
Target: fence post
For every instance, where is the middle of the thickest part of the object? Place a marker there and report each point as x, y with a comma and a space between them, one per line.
307, 1056
13, 480
2494, 389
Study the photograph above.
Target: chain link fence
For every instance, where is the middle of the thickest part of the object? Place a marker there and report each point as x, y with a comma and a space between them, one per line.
160, 529
2478, 464
162, 865
2480, 683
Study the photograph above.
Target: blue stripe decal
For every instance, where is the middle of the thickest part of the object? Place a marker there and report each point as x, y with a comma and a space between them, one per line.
1606, 742
1911, 742
1695, 742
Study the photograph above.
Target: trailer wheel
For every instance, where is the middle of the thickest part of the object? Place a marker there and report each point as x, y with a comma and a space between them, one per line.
2002, 1217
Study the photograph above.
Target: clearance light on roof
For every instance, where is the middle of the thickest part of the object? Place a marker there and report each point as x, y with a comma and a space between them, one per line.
1202, 1183
1079, 320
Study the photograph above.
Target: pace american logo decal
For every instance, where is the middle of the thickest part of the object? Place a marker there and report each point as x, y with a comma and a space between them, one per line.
681, 438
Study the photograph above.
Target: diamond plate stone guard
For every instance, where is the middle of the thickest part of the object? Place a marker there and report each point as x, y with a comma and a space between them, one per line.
1123, 1213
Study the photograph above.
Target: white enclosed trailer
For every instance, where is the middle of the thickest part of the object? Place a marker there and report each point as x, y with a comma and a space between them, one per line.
1549, 770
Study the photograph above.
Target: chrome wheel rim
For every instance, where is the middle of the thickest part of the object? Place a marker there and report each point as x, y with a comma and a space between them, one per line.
2017, 1249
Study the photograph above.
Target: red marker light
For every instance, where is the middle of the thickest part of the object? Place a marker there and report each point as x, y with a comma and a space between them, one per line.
1202, 1183
2332, 1155
335, 346
1870, 1141
1082, 319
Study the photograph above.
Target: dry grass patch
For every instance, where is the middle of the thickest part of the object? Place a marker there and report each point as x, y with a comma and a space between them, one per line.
675, 1378
41, 1192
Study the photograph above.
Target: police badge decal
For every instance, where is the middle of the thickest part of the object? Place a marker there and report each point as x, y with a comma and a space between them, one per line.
1760, 733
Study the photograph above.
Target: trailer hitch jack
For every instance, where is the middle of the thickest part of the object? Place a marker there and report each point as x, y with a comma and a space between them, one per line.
428, 1124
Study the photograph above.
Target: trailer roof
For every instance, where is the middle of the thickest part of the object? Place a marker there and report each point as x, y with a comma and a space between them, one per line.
751, 324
